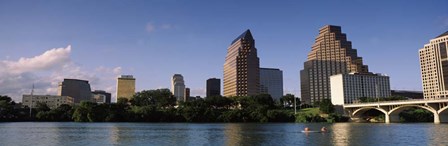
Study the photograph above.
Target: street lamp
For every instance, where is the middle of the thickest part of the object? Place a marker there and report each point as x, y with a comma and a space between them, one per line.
295, 106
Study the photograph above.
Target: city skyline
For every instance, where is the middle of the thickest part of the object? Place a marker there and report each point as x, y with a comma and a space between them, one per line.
100, 43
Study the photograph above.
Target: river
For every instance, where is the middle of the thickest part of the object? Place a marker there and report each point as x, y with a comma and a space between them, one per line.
98, 134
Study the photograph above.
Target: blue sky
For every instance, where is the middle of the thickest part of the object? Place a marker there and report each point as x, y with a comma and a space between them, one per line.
155, 39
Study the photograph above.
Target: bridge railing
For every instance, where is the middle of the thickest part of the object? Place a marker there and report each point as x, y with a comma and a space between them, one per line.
394, 101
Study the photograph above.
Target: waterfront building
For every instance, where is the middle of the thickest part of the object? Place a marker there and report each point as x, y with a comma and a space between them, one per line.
407, 93
100, 96
241, 67
178, 87
434, 67
187, 94
331, 54
271, 82
79, 90
52, 101
213, 87
125, 87
348, 88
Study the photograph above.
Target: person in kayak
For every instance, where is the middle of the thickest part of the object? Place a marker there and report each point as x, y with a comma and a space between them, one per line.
323, 129
306, 129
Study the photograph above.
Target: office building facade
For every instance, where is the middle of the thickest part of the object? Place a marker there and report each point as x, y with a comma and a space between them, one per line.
241, 67
187, 94
348, 88
213, 87
100, 96
271, 82
331, 54
434, 67
178, 87
125, 86
79, 90
52, 101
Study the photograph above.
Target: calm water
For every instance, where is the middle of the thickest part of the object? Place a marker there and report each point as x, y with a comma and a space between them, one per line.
98, 134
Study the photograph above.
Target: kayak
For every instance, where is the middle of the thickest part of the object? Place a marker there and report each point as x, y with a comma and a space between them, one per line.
310, 131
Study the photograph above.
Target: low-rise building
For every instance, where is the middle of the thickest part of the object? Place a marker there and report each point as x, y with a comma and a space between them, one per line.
100, 96
52, 101
348, 88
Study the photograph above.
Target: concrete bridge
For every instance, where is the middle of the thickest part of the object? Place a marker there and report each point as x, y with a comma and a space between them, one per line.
391, 109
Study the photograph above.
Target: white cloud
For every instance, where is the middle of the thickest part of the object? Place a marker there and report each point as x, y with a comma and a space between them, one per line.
45, 71
167, 26
117, 70
150, 27
49, 59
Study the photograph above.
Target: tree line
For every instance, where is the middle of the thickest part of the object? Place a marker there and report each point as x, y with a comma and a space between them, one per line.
159, 106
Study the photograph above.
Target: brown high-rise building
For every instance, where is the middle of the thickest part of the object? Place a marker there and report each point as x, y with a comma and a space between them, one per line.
242, 67
125, 87
331, 54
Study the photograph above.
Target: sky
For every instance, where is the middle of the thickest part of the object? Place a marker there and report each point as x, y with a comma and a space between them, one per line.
44, 41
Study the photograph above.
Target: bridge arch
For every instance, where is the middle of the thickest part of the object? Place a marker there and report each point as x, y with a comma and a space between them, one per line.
394, 113
443, 114
443, 110
358, 112
364, 109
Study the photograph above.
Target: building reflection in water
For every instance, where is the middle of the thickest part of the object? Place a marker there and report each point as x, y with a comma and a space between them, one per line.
114, 133
247, 134
340, 133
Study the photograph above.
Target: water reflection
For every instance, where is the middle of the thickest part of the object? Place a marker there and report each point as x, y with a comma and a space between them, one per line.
341, 134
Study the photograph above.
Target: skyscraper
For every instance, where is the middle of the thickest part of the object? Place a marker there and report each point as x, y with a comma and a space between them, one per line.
271, 82
187, 94
79, 90
331, 54
213, 87
125, 86
434, 67
178, 87
241, 67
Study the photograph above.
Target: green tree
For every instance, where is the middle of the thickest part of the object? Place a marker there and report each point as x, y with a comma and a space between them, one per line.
219, 102
161, 98
7, 112
288, 101
41, 106
326, 106
118, 112
81, 113
62, 113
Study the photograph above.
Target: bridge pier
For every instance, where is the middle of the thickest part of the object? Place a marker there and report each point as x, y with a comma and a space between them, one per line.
386, 119
436, 118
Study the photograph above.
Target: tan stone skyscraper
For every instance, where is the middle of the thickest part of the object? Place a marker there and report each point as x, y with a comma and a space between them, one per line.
125, 87
178, 87
434, 67
242, 67
331, 54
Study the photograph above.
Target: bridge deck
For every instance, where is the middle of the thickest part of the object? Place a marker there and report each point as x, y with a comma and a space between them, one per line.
396, 102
